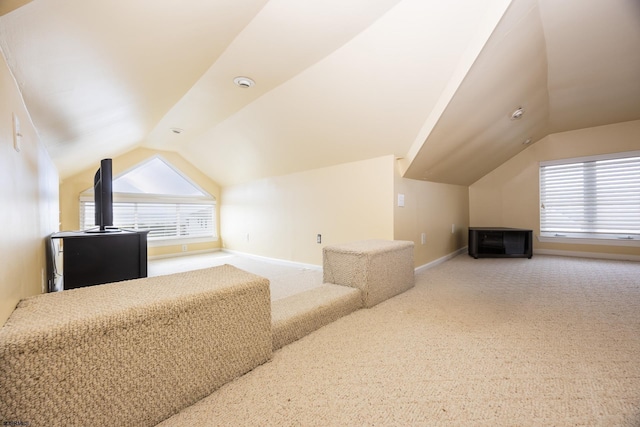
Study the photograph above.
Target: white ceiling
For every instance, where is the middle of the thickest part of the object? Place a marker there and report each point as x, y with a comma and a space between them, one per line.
432, 82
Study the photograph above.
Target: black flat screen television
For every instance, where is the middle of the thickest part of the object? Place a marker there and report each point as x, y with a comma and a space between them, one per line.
103, 196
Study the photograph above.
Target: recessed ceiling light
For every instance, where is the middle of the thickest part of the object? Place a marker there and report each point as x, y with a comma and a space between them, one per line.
244, 82
177, 130
517, 114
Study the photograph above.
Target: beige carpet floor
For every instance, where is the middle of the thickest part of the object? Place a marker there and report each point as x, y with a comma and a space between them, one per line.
550, 341
284, 279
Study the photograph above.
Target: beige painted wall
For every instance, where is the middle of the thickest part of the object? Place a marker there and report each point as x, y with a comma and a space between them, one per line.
280, 217
29, 200
509, 196
431, 208
71, 188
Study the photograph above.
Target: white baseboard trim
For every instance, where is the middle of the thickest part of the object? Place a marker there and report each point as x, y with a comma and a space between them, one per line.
302, 265
578, 254
282, 262
180, 254
440, 260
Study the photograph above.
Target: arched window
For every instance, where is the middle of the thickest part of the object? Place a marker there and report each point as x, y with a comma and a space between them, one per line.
155, 196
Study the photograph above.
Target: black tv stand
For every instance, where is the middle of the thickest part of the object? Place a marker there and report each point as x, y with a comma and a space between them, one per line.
93, 257
500, 242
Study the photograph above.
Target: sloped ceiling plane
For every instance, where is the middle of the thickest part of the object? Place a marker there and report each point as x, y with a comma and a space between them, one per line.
434, 83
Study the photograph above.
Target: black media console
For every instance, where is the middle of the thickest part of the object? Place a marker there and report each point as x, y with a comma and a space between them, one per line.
498, 242
80, 259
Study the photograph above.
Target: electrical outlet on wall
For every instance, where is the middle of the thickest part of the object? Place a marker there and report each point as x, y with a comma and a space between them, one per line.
423, 238
319, 238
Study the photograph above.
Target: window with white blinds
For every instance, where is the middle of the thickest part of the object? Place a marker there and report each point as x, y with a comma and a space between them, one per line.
591, 197
157, 197
164, 221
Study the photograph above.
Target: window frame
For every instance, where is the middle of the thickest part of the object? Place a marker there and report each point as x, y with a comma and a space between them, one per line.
592, 238
87, 196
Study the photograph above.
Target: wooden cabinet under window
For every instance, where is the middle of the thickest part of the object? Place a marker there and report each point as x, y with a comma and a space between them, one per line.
500, 242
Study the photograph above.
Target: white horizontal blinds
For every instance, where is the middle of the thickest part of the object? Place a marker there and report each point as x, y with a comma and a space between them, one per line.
595, 196
162, 220
87, 215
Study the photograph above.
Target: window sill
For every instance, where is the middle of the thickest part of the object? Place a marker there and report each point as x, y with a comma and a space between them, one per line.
588, 240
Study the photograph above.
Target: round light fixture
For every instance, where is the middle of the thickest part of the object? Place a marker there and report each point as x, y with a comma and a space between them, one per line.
244, 82
517, 114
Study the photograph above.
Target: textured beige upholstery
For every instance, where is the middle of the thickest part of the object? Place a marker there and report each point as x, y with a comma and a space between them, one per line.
137, 352
131, 353
379, 268
300, 314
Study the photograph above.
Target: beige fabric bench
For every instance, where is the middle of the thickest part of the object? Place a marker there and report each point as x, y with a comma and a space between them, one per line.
131, 353
379, 268
137, 352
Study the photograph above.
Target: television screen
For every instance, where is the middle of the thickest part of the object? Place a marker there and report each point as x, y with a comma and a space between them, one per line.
103, 195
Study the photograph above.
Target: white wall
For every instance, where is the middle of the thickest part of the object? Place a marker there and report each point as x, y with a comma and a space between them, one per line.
29, 201
280, 217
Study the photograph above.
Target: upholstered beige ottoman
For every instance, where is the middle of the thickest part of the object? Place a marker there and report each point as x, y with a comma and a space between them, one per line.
379, 268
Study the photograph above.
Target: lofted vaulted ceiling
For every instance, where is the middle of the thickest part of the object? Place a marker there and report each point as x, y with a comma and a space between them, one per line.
431, 82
